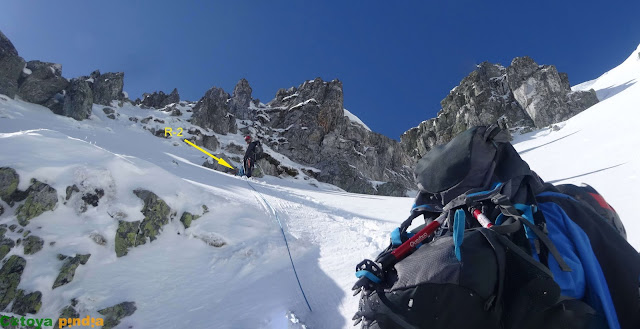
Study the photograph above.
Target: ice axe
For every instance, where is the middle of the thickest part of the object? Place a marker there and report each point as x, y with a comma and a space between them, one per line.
372, 272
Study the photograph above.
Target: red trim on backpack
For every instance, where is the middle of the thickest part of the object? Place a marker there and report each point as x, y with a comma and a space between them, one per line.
601, 201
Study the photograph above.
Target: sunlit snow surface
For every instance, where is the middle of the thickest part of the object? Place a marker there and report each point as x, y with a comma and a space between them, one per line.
178, 281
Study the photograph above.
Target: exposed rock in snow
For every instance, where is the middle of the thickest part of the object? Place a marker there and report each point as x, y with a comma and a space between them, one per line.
78, 100
544, 94
44, 82
160, 99
212, 112
524, 95
108, 87
11, 65
240, 102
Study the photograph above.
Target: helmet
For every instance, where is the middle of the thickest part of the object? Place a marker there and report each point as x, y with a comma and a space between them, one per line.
247, 138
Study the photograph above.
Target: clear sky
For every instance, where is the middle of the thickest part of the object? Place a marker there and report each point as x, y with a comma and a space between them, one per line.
397, 59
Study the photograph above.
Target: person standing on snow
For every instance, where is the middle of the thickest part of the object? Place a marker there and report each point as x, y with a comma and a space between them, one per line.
253, 148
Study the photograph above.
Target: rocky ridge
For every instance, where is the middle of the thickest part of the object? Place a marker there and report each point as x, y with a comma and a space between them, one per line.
523, 96
307, 124
42, 83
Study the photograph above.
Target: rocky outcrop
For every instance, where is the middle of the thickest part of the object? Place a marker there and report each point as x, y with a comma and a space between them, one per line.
88, 197
78, 100
131, 234
41, 81
115, 313
187, 218
11, 65
126, 236
9, 180
27, 303
544, 94
107, 87
10, 275
32, 244
67, 312
212, 164
209, 142
160, 99
313, 130
523, 95
6, 244
40, 198
241, 100
68, 270
212, 112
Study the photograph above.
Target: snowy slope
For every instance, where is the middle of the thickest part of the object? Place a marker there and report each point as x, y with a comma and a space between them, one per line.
602, 144
179, 281
616, 80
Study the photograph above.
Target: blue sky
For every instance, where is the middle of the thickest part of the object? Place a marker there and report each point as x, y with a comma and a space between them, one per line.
397, 59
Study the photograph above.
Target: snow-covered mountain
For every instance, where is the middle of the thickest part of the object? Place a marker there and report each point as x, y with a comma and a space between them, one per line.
206, 249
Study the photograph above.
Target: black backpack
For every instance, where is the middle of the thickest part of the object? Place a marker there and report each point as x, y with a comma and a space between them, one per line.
258, 150
499, 249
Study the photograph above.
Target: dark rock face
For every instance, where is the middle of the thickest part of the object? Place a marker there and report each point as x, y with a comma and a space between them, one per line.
210, 142
341, 174
160, 99
543, 93
308, 125
115, 313
483, 97
241, 100
10, 275
11, 66
108, 87
524, 95
212, 112
42, 83
391, 189
92, 198
267, 165
315, 132
68, 270
78, 100
27, 303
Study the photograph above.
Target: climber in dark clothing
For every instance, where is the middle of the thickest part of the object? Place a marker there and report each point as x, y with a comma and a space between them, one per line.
253, 148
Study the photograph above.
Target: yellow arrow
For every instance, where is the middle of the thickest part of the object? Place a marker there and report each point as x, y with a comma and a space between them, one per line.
220, 160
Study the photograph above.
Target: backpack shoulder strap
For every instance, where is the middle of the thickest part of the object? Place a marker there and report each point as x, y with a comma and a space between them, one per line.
510, 211
618, 260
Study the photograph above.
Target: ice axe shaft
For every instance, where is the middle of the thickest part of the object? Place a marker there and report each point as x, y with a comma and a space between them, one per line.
482, 219
405, 248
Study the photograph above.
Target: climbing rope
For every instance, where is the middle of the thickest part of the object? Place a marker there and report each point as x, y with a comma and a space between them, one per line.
285, 242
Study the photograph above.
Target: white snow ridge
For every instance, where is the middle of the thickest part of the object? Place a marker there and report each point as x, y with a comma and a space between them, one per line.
230, 268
